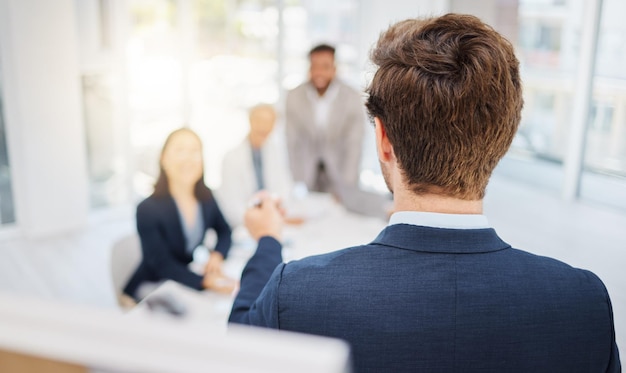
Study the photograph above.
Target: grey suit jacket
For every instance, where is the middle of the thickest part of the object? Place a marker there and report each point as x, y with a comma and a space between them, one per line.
339, 146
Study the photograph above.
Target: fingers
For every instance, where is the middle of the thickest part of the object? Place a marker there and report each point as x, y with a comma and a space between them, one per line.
213, 268
263, 196
220, 283
264, 220
214, 264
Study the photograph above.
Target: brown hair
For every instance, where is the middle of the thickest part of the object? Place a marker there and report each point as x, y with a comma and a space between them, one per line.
448, 93
161, 187
322, 48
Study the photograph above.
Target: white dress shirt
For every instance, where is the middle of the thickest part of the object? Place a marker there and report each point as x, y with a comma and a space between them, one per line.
322, 104
439, 220
239, 180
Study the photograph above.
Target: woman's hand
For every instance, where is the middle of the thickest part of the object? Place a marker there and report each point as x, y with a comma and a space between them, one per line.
214, 279
219, 283
214, 264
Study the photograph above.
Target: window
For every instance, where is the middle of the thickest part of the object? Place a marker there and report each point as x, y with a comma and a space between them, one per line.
548, 49
606, 132
203, 63
105, 129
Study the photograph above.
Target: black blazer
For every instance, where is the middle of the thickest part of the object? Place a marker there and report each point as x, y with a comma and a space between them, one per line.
163, 242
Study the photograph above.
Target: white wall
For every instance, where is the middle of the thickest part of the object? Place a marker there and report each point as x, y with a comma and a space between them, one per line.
44, 126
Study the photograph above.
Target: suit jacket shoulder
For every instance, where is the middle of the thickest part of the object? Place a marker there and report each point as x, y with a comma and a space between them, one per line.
466, 292
154, 209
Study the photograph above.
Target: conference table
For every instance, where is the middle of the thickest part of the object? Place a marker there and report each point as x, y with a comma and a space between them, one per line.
327, 226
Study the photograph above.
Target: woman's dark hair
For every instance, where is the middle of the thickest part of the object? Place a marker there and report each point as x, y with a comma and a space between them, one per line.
161, 187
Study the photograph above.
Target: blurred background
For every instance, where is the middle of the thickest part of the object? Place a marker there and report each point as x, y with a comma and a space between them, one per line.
89, 89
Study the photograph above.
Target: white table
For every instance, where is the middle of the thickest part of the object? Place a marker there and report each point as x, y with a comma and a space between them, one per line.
328, 227
43, 335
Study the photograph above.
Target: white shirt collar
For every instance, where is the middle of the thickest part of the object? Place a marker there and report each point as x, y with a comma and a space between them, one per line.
438, 220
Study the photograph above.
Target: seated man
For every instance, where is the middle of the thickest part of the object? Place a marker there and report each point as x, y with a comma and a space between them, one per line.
258, 163
438, 290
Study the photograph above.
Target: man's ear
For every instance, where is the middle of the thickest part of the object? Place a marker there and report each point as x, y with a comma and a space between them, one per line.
383, 145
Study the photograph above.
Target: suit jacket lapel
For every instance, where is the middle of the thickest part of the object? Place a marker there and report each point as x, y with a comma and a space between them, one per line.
174, 225
337, 113
307, 112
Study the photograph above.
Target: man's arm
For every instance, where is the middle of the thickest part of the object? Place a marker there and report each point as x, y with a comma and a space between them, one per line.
257, 300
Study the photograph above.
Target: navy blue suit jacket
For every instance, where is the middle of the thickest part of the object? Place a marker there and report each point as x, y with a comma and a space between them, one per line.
420, 299
163, 242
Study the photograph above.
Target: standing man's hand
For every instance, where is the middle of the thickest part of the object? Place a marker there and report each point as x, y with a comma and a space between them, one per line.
265, 217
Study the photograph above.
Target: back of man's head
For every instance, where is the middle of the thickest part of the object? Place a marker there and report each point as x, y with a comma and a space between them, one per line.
448, 93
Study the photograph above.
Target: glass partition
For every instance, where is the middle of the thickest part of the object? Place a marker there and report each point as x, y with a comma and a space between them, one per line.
548, 47
606, 133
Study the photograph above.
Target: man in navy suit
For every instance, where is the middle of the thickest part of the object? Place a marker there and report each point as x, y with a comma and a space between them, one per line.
437, 290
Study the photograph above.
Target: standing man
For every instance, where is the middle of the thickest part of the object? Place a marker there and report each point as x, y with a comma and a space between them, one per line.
325, 124
438, 290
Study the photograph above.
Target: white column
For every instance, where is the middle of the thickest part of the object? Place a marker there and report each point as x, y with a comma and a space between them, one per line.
575, 153
45, 133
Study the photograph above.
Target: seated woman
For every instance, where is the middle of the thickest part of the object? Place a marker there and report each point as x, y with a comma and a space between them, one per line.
172, 221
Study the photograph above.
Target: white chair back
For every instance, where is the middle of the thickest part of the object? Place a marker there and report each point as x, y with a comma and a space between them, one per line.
125, 257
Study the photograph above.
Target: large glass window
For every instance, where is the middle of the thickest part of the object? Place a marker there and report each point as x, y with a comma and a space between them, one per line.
203, 63
105, 131
549, 46
606, 134
234, 67
7, 213
106, 155
155, 83
200, 64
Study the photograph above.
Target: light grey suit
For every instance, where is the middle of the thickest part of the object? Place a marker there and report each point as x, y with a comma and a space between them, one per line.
338, 146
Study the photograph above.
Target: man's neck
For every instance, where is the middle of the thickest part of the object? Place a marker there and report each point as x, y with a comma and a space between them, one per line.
322, 91
406, 200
